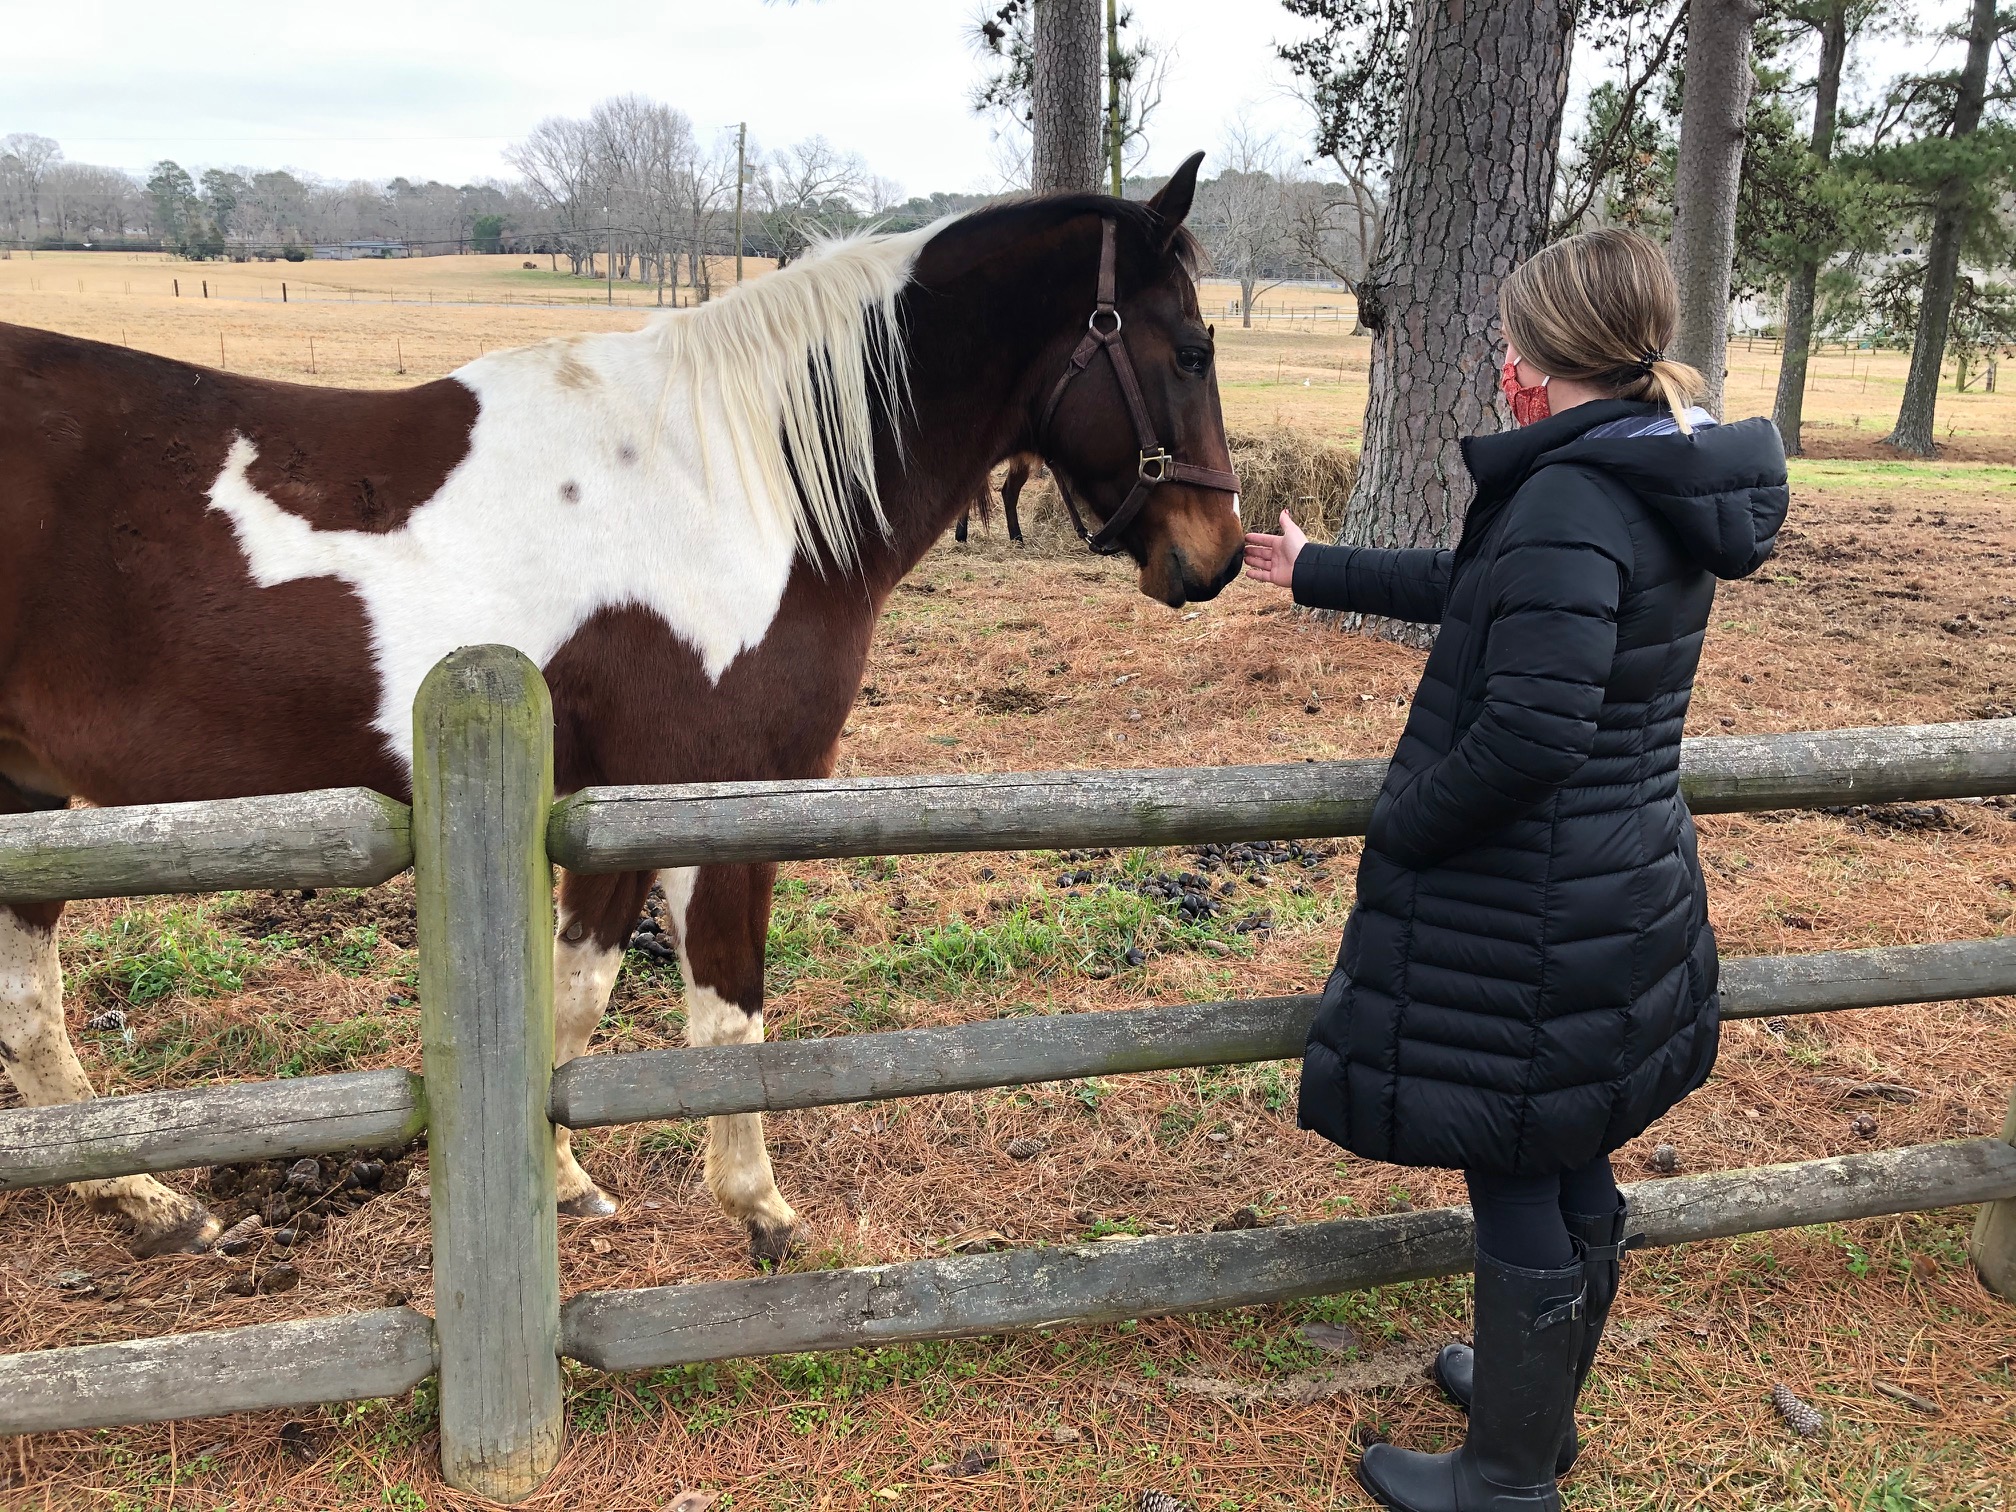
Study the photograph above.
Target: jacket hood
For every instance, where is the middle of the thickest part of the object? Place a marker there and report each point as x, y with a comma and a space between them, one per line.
1722, 490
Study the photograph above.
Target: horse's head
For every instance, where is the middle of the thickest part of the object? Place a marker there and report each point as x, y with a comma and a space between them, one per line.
1131, 427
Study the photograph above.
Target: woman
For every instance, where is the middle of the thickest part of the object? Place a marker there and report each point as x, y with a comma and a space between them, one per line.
1528, 978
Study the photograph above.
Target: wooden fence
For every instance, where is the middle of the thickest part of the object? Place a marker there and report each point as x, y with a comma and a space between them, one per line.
481, 835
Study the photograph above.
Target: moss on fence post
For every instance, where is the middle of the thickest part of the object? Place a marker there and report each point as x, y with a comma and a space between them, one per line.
482, 787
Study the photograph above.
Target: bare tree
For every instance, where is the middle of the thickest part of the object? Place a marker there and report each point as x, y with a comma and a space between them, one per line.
808, 190
1706, 180
560, 166
1244, 216
25, 160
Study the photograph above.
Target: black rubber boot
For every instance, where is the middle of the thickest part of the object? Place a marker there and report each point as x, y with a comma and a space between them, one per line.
1602, 1242
1529, 1341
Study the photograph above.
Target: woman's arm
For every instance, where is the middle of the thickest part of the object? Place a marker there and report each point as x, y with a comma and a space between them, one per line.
1552, 635
1407, 585
1403, 585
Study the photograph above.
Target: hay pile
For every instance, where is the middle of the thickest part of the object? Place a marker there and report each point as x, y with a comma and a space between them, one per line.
1308, 475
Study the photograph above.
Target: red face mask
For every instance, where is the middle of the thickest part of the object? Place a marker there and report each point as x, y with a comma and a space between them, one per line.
1528, 404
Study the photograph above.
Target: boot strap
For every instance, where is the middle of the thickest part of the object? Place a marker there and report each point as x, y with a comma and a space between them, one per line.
1569, 1311
1613, 1254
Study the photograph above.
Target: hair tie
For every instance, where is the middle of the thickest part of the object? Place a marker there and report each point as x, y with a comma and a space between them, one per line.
1644, 364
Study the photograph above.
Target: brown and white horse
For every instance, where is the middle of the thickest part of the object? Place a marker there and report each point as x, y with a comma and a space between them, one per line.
213, 585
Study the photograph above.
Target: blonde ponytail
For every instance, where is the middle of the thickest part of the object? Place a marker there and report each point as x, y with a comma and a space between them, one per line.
1599, 308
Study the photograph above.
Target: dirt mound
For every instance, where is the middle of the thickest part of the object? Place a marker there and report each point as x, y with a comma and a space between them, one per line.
325, 919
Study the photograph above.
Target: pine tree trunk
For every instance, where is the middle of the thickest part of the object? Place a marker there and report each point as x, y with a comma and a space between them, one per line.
1705, 181
1942, 253
1069, 42
1469, 202
1799, 291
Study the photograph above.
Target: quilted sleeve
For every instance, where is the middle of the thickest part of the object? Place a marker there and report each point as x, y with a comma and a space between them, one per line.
1403, 585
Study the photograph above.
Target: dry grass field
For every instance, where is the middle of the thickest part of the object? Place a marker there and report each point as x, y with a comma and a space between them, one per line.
1893, 600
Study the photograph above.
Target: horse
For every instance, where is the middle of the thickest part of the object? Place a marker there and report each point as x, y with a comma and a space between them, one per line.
213, 585
1012, 483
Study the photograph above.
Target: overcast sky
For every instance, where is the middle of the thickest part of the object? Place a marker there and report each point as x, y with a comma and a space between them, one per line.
437, 90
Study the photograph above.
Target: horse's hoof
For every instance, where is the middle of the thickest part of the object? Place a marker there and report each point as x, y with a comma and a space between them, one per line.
772, 1243
193, 1235
593, 1203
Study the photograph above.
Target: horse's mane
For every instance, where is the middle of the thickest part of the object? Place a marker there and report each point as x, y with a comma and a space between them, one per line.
797, 361
800, 359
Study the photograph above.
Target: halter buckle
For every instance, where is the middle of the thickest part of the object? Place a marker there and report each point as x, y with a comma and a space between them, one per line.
1092, 323
1154, 466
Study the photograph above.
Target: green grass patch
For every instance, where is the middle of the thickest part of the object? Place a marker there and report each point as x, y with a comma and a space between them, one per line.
1900, 476
146, 954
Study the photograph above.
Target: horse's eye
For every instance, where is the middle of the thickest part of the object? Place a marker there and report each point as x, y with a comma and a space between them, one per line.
1193, 360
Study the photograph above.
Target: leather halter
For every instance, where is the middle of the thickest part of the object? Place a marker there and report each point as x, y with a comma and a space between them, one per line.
1157, 464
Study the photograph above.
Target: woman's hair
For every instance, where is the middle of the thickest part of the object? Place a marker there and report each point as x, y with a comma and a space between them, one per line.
1599, 308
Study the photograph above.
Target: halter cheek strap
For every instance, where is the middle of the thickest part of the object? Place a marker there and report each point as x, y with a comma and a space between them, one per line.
1157, 464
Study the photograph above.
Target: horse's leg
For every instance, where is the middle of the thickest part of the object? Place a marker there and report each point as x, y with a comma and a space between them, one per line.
35, 1046
1011, 495
721, 918
596, 916
959, 531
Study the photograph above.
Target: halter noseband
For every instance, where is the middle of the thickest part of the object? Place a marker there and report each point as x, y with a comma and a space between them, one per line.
1157, 464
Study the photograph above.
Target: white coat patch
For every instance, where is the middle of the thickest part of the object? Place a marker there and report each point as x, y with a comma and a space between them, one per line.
603, 472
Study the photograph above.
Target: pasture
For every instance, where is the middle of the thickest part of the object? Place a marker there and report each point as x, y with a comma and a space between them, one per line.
1892, 601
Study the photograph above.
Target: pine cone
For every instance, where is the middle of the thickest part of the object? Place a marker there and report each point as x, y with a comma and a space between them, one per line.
1799, 1417
1162, 1501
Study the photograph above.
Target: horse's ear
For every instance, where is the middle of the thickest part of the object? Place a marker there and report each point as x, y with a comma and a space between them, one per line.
1172, 200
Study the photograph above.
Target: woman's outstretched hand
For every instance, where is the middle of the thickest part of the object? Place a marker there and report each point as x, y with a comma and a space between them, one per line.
1271, 558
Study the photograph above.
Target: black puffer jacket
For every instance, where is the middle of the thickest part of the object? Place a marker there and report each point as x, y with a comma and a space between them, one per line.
1528, 978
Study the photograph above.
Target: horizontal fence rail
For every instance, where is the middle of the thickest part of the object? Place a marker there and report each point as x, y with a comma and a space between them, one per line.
345, 1358
337, 837
172, 1131
638, 828
386, 1352
650, 1084
316, 1115
1073, 1284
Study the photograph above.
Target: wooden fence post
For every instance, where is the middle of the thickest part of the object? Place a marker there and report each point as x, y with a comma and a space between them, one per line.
1994, 1243
482, 789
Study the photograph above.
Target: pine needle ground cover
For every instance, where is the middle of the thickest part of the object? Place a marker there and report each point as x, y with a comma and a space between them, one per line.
1893, 601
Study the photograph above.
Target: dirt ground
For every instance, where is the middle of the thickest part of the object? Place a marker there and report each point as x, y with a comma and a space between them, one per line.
1891, 602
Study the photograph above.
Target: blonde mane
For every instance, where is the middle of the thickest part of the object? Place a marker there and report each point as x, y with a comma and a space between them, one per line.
794, 363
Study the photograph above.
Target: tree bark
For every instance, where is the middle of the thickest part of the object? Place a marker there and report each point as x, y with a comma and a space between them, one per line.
1789, 408
1942, 253
1469, 202
1705, 181
1069, 41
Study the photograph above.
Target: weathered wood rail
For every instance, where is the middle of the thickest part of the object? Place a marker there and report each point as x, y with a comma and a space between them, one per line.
480, 837
634, 828
312, 1115
338, 837
1035, 1288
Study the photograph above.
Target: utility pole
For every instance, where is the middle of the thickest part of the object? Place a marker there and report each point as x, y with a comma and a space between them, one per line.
609, 250
1114, 135
741, 178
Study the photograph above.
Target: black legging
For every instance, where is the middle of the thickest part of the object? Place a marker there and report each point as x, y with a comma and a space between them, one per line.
1519, 1217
